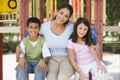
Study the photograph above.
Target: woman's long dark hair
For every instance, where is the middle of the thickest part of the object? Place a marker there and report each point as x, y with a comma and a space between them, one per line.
88, 37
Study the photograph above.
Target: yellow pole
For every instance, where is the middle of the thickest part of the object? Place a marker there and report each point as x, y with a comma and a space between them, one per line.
82, 8
92, 11
47, 8
74, 14
55, 6
104, 11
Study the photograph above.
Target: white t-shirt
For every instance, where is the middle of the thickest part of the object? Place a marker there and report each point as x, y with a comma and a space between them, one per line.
57, 44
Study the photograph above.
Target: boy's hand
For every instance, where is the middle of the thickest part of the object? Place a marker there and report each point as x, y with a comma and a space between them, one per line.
21, 63
42, 65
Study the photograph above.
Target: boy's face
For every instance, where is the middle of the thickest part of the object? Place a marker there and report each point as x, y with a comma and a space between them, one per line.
33, 29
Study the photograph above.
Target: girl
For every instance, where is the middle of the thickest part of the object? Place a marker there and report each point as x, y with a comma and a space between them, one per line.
82, 51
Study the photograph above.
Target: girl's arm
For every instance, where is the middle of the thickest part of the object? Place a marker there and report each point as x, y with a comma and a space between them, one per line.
100, 66
94, 52
74, 64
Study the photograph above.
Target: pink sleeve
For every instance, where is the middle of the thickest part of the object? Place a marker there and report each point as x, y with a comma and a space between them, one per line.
70, 44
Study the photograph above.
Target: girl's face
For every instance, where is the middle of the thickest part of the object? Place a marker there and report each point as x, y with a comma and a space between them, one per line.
81, 30
33, 29
62, 15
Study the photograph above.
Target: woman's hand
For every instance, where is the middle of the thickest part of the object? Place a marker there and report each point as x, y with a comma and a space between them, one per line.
18, 51
42, 65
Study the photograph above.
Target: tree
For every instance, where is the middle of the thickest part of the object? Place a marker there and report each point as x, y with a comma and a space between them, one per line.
113, 12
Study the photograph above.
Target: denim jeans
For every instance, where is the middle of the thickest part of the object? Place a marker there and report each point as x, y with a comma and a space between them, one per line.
30, 67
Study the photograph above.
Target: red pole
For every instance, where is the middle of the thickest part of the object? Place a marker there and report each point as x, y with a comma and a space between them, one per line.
1, 53
24, 14
88, 16
88, 9
98, 24
41, 10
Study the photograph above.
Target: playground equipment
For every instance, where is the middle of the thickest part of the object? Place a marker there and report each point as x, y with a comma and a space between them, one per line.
94, 12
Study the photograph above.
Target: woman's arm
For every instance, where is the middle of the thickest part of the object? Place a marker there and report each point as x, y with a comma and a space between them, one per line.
18, 51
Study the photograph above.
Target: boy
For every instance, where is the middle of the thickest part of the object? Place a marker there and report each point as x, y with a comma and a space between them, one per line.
34, 48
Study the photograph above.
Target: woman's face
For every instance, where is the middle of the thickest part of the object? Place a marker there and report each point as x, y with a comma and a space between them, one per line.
63, 15
82, 30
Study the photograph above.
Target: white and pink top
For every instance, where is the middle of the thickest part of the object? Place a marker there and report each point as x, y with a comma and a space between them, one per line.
82, 52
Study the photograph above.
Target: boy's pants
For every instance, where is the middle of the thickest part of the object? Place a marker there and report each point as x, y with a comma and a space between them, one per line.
30, 67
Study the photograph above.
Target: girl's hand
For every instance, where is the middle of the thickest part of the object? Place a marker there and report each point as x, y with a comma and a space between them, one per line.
93, 48
101, 69
21, 63
42, 65
83, 77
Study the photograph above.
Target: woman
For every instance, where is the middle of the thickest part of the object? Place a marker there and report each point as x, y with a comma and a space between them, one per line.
56, 33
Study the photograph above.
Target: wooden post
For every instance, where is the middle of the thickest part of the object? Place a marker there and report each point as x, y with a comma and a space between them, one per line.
88, 9
41, 10
99, 24
1, 53
24, 14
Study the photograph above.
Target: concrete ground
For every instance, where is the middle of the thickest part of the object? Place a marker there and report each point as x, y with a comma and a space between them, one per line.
110, 59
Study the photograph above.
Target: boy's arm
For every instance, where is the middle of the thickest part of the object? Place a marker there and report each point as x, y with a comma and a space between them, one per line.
45, 52
46, 59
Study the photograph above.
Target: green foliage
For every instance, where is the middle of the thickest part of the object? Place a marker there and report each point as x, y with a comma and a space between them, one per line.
111, 47
12, 45
10, 41
113, 12
107, 47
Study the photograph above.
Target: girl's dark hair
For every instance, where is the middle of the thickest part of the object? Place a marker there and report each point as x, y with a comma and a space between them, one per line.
69, 7
88, 37
33, 20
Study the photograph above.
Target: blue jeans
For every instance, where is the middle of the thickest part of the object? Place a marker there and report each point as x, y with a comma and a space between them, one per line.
30, 67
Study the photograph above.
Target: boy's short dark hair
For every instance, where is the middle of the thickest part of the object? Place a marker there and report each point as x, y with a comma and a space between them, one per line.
33, 20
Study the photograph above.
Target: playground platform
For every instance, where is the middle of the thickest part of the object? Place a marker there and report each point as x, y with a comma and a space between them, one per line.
112, 61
